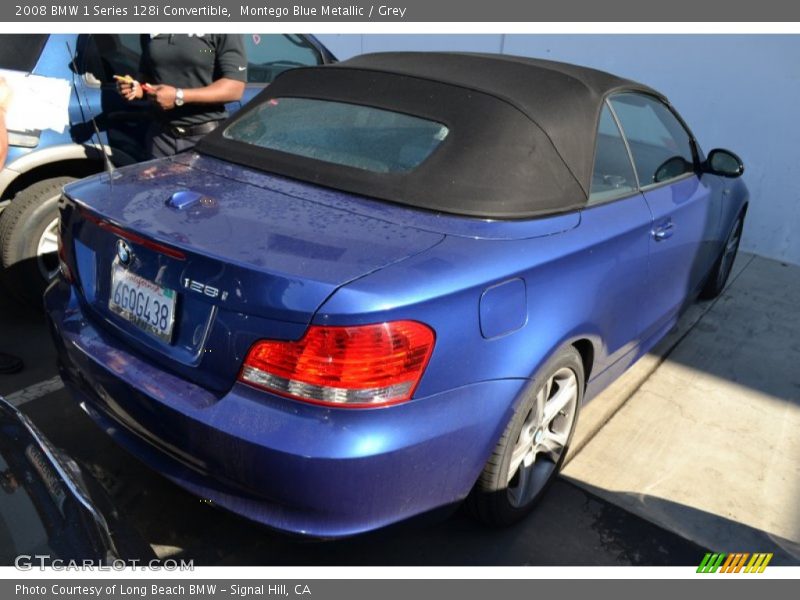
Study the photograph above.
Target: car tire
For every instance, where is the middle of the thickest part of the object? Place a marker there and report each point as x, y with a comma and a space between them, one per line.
509, 487
27, 239
722, 267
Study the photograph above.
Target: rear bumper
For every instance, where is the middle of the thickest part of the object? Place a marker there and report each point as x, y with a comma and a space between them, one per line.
295, 467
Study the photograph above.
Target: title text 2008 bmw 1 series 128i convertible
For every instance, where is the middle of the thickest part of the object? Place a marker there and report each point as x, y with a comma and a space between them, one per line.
388, 285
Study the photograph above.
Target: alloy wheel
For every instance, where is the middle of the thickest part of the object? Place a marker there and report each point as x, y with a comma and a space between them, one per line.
543, 437
729, 253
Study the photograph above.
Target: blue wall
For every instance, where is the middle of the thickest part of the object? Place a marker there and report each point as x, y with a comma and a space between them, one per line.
740, 92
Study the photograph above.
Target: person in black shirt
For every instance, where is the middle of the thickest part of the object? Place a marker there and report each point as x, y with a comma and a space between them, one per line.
189, 78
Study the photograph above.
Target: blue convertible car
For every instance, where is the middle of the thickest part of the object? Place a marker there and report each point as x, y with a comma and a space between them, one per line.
388, 285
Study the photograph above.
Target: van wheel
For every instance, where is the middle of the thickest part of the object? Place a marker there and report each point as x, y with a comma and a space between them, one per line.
532, 449
29, 239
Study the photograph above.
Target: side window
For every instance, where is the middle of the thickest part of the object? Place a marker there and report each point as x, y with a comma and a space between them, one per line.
661, 146
612, 176
268, 55
106, 55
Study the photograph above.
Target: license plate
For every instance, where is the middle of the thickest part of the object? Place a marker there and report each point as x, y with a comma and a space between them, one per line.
147, 305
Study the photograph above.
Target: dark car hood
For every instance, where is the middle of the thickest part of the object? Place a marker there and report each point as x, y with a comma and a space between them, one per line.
49, 506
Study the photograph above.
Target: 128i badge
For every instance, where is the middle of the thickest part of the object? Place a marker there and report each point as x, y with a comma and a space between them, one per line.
205, 289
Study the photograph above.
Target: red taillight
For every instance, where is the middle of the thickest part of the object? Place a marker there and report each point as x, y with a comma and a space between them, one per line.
356, 367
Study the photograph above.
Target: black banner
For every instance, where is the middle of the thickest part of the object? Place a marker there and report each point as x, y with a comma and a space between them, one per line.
418, 589
145, 11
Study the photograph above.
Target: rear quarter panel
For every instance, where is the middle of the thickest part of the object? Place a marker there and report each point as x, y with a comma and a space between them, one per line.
585, 283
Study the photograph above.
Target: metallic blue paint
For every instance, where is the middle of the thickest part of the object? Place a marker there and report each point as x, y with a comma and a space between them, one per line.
183, 199
54, 61
503, 309
290, 254
304, 468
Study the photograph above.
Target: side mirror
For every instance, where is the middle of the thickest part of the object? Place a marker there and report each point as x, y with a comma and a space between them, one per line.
671, 168
724, 163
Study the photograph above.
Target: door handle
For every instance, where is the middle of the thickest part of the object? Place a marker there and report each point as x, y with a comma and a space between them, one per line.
664, 231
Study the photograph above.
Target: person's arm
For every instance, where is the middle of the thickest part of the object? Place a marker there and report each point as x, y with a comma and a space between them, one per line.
132, 90
5, 98
230, 77
3, 137
219, 92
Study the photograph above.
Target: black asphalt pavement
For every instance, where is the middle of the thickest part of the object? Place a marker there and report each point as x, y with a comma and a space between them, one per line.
569, 527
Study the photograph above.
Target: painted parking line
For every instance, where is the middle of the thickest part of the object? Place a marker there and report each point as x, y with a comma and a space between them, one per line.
37, 390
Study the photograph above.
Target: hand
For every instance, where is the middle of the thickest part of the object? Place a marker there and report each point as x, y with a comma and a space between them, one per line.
130, 90
164, 95
5, 95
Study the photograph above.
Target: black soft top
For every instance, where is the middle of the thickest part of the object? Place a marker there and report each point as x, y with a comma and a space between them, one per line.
522, 130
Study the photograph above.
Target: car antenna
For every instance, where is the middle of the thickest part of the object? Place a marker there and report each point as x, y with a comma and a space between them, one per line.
106, 159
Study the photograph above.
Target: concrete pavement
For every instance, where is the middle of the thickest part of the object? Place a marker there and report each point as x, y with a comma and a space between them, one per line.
707, 443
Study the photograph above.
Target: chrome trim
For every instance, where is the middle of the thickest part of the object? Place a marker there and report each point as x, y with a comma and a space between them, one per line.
24, 139
624, 141
329, 394
655, 186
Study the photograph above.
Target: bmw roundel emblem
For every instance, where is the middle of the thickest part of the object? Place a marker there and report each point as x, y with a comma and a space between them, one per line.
124, 252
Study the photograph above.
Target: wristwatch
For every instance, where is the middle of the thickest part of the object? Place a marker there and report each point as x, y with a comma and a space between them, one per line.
179, 97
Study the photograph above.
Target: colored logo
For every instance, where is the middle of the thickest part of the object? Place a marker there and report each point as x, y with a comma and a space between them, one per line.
124, 252
734, 563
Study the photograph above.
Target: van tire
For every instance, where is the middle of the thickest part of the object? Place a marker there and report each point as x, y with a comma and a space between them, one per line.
26, 273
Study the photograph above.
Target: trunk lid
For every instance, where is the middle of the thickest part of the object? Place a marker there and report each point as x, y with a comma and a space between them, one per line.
241, 260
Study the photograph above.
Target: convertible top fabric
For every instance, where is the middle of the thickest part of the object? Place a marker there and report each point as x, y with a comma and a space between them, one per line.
521, 141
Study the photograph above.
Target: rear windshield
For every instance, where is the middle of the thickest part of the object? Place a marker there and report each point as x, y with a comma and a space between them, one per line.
19, 52
362, 137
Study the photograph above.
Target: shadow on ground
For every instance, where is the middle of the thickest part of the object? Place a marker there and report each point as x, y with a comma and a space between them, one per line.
570, 526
